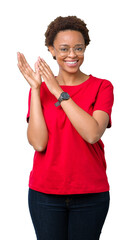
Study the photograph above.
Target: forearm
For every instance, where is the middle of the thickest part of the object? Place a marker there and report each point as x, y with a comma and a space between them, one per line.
90, 128
37, 132
84, 123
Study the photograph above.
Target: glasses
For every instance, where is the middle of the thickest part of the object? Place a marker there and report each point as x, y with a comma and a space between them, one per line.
65, 50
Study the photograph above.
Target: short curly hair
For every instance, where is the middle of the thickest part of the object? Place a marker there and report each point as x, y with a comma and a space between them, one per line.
66, 23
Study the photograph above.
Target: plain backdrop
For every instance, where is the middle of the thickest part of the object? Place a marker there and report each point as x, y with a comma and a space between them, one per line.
22, 27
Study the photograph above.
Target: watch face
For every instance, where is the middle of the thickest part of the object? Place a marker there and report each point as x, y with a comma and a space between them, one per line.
65, 95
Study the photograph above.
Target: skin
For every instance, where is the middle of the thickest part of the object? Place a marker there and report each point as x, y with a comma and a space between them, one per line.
90, 128
69, 75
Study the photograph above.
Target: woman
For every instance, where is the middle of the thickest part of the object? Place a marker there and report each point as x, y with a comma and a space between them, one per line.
67, 115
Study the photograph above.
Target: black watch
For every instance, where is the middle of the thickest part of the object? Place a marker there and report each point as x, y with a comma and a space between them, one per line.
63, 96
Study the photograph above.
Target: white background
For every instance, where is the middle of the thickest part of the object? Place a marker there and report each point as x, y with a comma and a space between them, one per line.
23, 24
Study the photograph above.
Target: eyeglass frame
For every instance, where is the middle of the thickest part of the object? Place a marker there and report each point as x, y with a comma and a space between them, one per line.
69, 49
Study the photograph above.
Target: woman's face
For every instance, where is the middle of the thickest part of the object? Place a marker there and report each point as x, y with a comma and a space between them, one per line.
69, 46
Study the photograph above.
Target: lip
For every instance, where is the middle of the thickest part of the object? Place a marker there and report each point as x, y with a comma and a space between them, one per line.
71, 63
73, 60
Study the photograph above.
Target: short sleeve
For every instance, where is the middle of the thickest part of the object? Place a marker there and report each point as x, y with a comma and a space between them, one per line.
29, 101
105, 99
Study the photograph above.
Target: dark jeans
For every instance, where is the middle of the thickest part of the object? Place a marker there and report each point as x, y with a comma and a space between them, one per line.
68, 217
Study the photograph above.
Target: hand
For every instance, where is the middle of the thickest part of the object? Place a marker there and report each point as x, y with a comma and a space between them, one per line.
33, 78
49, 77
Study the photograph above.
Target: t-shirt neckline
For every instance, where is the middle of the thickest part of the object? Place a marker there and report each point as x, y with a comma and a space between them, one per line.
78, 85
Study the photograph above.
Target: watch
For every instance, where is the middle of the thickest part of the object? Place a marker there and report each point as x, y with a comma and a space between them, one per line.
63, 96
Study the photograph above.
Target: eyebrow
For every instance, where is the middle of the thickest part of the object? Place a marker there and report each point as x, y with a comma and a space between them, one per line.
66, 45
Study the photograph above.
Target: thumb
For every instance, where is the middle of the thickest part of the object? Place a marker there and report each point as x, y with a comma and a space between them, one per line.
36, 68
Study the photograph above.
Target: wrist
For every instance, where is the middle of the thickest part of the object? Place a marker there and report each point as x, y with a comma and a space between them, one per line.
63, 96
58, 92
35, 89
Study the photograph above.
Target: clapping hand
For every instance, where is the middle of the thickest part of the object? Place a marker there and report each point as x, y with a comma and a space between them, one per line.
48, 76
33, 78
42, 70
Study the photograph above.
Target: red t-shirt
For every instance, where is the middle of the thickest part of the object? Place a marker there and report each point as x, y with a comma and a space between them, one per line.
69, 164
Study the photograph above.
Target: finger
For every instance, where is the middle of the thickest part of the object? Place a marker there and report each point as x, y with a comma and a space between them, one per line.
42, 71
26, 76
41, 67
22, 70
18, 56
25, 62
24, 59
44, 66
37, 68
43, 63
20, 59
25, 65
26, 71
20, 65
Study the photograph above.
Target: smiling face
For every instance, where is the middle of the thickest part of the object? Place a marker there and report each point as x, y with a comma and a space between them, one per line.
69, 46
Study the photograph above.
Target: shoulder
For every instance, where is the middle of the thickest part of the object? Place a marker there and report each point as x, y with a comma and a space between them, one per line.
101, 81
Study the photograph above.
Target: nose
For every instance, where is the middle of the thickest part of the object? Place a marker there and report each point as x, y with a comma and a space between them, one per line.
71, 52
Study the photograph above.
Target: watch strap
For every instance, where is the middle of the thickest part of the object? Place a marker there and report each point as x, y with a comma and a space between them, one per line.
57, 104
61, 98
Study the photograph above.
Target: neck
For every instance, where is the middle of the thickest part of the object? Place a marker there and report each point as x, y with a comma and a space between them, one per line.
70, 78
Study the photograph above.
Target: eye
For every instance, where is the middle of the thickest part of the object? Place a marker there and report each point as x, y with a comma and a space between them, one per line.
64, 49
79, 49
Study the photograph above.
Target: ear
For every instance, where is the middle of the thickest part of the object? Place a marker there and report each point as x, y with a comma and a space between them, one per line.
52, 51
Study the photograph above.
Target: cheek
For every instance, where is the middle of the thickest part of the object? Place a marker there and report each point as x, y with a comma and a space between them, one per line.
58, 59
81, 60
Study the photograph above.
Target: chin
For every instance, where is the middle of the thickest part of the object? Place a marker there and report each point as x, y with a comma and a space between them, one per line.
71, 71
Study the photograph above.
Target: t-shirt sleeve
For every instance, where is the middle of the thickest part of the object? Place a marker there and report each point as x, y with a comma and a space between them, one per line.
29, 101
105, 99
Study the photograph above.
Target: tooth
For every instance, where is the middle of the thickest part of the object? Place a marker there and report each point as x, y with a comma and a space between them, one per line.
72, 62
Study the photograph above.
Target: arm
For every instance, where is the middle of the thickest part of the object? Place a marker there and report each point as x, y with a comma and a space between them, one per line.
37, 132
90, 128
